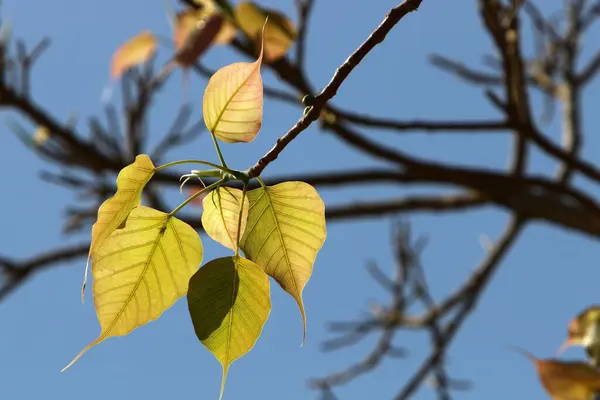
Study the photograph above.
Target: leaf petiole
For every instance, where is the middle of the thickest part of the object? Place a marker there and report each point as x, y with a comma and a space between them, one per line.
192, 197
239, 227
180, 162
218, 149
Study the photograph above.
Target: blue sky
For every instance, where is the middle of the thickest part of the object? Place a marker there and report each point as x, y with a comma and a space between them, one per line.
548, 277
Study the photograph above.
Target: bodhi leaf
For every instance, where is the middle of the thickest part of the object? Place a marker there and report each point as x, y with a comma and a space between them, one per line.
141, 270
186, 21
566, 380
136, 50
233, 102
285, 231
229, 302
279, 35
114, 211
221, 215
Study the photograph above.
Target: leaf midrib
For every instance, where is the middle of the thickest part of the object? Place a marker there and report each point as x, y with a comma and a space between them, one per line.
161, 234
236, 91
281, 238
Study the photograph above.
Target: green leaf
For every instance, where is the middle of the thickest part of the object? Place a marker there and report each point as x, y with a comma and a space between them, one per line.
114, 211
221, 215
141, 270
229, 302
285, 231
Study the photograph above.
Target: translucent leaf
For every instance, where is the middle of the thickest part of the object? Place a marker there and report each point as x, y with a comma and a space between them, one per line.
279, 34
135, 51
141, 270
229, 302
114, 211
233, 102
285, 231
221, 215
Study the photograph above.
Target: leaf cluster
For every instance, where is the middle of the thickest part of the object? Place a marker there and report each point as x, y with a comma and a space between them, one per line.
143, 260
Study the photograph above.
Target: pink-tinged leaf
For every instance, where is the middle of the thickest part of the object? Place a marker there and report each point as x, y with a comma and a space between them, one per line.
135, 51
233, 102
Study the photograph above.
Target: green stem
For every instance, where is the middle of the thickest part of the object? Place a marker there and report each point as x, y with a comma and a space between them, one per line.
239, 228
221, 158
261, 182
192, 197
174, 163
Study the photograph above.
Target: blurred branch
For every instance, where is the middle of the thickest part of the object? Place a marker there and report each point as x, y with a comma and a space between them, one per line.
14, 273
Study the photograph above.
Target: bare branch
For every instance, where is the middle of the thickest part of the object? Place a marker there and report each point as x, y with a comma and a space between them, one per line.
314, 111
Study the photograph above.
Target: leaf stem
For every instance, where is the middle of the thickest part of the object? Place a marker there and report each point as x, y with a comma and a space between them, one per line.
192, 197
262, 183
180, 162
239, 227
216, 143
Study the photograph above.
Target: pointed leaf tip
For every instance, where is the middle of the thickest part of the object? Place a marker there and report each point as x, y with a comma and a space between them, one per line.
233, 102
229, 302
285, 230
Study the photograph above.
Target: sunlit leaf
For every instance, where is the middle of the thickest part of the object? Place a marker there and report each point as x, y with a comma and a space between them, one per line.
566, 380
280, 32
285, 231
229, 302
141, 270
114, 211
135, 51
221, 215
233, 102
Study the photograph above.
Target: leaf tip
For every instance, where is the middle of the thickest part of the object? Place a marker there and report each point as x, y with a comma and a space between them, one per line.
223, 379
303, 313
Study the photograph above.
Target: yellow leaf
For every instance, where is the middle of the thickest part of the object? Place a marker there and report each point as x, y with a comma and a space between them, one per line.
566, 380
221, 215
41, 135
229, 302
136, 50
233, 102
280, 32
114, 211
141, 270
285, 231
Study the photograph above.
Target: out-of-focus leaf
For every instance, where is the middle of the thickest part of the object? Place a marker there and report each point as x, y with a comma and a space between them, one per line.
187, 20
41, 135
135, 51
279, 34
566, 380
